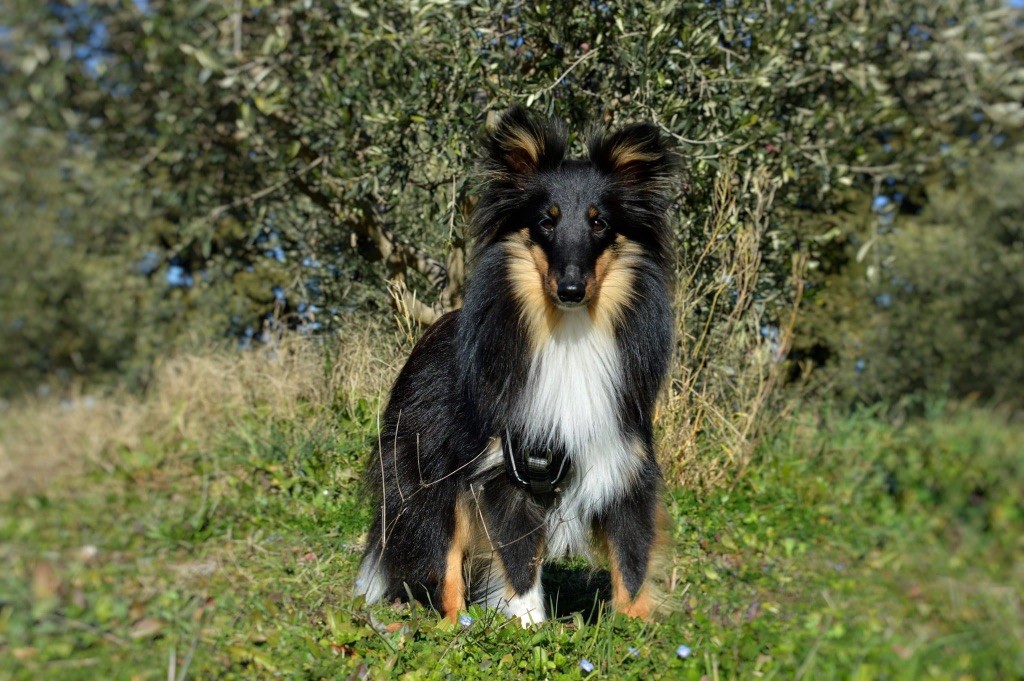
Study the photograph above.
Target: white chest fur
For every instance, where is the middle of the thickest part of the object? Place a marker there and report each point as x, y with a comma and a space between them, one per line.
572, 399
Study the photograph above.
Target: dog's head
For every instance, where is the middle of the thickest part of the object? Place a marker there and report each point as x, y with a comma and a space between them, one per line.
574, 216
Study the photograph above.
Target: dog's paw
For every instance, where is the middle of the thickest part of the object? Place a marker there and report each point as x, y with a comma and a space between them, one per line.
641, 607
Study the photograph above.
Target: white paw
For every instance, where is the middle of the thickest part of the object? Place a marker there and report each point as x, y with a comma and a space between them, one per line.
529, 607
530, 618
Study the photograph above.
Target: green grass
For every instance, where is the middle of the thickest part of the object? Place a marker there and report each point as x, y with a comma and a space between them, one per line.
851, 548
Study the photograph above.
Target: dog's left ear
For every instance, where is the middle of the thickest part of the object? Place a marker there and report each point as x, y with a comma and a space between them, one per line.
638, 156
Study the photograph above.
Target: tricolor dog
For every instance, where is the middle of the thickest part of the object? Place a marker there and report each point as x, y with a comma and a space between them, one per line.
520, 428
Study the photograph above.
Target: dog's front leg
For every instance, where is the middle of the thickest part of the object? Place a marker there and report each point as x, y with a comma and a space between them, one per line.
631, 531
515, 528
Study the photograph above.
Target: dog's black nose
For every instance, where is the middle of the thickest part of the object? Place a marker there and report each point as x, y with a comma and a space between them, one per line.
571, 290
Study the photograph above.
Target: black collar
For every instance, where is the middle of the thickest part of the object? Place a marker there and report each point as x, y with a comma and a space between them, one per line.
538, 471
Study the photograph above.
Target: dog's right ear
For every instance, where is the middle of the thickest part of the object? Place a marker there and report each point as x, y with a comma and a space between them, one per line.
520, 145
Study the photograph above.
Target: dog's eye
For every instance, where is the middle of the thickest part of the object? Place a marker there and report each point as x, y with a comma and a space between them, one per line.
598, 225
547, 224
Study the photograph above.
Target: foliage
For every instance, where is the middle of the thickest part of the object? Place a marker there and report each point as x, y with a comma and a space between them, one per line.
86, 291
226, 545
309, 158
946, 290
66, 268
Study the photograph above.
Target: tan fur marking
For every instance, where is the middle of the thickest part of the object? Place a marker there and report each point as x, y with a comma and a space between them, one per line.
453, 590
649, 599
603, 261
645, 605
524, 149
613, 281
550, 282
624, 155
554, 211
592, 212
642, 606
528, 270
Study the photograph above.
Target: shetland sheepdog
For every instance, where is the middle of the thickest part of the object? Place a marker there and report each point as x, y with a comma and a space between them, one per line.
520, 428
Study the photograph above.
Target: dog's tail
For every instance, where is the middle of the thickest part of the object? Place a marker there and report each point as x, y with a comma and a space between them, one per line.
372, 580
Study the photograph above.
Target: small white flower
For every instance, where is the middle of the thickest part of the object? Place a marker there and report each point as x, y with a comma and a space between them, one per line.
683, 651
465, 620
586, 665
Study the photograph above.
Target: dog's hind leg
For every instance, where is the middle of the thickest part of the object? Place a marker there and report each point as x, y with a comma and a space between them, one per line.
453, 585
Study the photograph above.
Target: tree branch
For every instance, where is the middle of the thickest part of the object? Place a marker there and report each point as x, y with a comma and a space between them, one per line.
399, 256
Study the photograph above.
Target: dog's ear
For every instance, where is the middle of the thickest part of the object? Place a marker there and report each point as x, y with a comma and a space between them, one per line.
520, 145
637, 155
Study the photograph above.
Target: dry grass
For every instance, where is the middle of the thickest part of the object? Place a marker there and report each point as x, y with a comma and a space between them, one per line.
723, 381
193, 398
